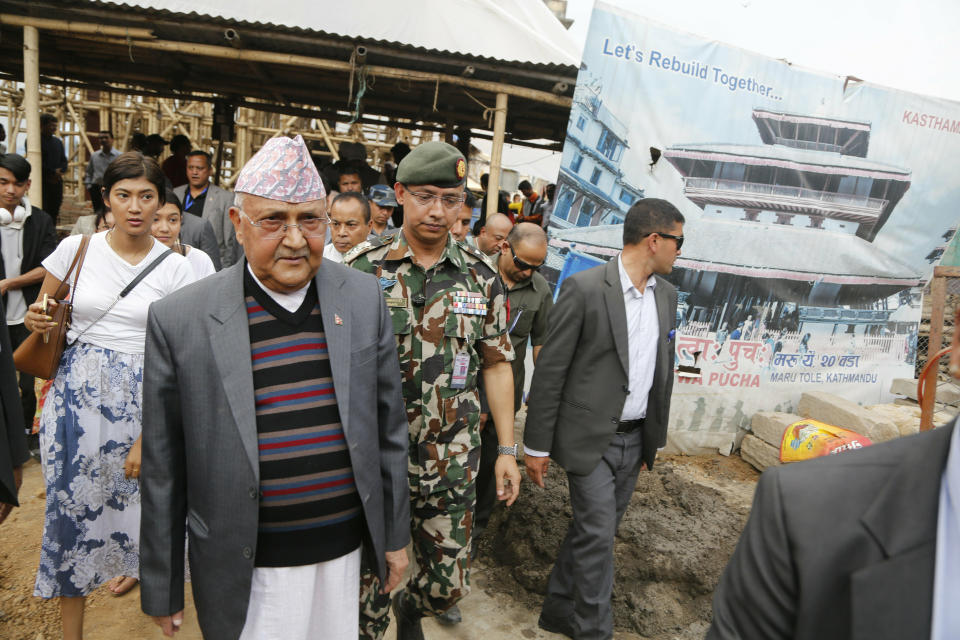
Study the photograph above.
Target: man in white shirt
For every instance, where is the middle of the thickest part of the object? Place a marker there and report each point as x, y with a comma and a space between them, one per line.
349, 224
27, 237
599, 405
99, 161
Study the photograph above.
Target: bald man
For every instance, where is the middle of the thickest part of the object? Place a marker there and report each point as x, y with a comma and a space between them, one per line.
493, 233
521, 254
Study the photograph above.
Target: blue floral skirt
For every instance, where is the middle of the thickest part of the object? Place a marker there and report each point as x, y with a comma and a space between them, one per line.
90, 420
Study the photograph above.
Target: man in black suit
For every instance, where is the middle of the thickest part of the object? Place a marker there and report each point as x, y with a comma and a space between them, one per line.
599, 406
864, 545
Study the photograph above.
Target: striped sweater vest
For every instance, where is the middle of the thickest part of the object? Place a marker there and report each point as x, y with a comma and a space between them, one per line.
310, 510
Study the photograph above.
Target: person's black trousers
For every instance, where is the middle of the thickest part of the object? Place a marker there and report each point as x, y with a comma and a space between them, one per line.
486, 482
28, 399
96, 197
52, 199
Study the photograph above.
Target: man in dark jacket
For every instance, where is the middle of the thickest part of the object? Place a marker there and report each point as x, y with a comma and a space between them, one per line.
27, 236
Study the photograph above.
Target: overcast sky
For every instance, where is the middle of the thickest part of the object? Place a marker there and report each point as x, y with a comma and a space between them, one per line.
908, 45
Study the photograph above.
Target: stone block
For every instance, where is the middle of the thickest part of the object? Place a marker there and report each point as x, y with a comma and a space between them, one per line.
904, 387
906, 402
905, 417
770, 425
948, 393
840, 412
758, 453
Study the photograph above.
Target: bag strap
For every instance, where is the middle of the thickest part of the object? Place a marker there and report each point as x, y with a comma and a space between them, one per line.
127, 289
143, 274
77, 263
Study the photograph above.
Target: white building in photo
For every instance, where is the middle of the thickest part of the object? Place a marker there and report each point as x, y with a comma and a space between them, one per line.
592, 189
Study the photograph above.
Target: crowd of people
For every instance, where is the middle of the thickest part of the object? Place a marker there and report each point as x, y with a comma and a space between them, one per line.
122, 488
276, 392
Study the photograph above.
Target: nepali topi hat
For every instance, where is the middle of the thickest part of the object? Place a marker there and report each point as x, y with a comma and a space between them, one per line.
282, 170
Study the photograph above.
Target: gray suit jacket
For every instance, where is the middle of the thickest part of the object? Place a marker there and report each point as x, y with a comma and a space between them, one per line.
580, 382
198, 233
216, 210
839, 548
200, 458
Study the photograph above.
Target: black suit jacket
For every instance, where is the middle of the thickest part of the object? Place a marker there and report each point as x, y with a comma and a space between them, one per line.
842, 547
13, 441
39, 241
580, 381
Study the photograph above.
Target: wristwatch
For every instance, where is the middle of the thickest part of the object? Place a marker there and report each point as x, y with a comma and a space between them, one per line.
508, 451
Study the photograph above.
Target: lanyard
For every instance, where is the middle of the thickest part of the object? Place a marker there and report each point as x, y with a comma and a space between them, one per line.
188, 200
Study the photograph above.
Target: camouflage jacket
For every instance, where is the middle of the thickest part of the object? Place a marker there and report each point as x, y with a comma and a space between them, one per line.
455, 306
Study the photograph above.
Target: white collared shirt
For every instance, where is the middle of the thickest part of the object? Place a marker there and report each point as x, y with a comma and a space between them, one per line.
946, 581
330, 253
289, 301
643, 329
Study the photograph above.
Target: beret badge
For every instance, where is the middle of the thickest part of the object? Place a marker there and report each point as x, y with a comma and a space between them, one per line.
461, 168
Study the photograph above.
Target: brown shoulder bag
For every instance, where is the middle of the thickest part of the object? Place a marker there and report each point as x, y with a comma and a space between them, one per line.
41, 358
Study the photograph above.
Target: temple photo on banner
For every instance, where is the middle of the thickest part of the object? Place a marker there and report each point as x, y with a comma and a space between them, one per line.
817, 206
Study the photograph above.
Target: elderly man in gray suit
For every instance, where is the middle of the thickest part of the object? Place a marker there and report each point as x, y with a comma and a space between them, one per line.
599, 405
274, 427
206, 200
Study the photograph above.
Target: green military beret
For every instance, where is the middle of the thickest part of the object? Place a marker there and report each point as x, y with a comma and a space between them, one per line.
434, 163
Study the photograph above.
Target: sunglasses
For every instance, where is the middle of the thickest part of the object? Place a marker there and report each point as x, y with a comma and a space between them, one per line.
520, 264
679, 239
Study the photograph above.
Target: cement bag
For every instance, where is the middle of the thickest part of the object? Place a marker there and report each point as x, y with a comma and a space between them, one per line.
806, 439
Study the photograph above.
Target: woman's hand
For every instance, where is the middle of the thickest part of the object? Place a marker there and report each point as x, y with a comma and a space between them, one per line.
37, 320
131, 467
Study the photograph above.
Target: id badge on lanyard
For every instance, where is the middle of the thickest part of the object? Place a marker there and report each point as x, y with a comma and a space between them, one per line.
461, 366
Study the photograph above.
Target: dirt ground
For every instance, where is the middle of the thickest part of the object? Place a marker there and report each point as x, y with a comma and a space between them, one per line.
676, 537
681, 526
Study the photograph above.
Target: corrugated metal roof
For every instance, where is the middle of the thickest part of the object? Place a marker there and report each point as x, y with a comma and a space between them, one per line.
522, 31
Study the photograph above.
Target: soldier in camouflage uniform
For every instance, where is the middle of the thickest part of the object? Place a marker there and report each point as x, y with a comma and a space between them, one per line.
448, 312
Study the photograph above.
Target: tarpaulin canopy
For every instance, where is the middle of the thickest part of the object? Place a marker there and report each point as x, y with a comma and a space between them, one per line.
431, 64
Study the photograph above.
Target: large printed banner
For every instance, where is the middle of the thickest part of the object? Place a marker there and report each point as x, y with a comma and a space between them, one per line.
816, 207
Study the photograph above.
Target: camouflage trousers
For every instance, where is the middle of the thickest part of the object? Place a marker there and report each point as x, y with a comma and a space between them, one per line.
441, 526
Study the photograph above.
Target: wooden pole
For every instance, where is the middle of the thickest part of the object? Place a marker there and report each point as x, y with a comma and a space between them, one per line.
31, 107
309, 62
938, 296
496, 154
73, 27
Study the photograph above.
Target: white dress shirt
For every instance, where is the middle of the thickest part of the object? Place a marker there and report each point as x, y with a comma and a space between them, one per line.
330, 253
946, 581
643, 330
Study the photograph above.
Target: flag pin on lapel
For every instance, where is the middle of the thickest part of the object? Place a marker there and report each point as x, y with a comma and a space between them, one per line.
337, 319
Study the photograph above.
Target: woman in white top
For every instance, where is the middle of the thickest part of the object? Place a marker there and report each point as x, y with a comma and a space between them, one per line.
90, 425
166, 229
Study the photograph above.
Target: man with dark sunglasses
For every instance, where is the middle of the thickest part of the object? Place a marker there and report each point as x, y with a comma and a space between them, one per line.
599, 406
